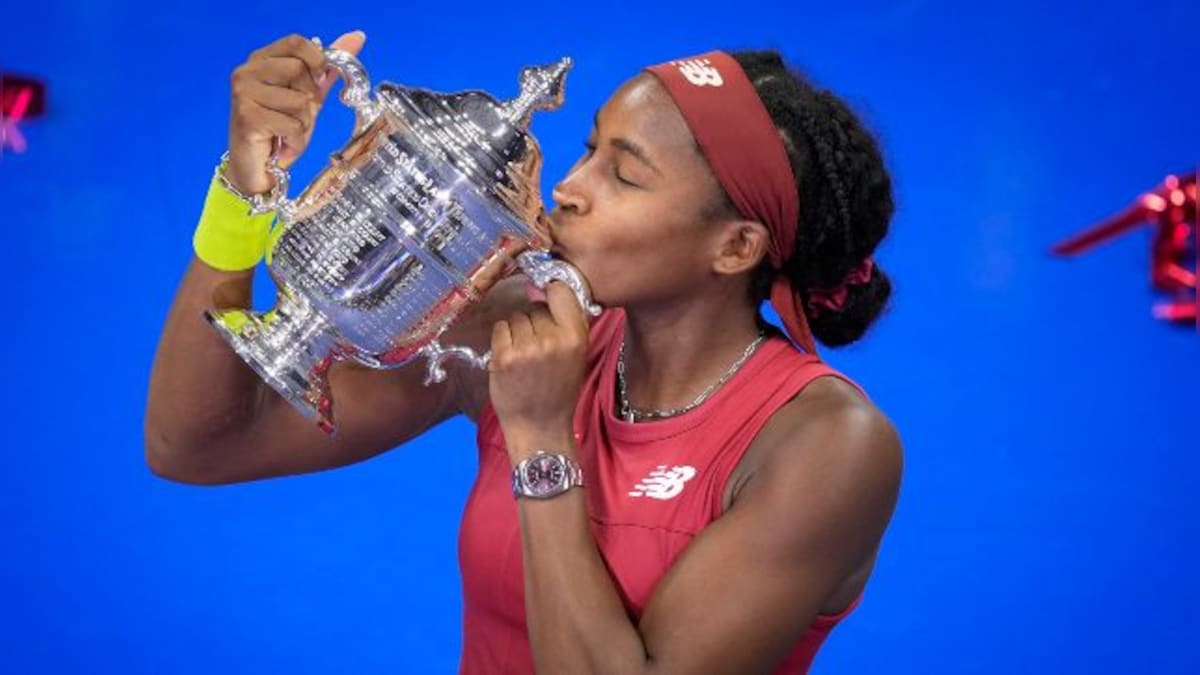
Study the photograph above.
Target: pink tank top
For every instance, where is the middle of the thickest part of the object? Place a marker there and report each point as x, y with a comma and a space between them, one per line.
651, 487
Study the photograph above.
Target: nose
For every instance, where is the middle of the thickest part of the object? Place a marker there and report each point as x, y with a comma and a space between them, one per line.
569, 196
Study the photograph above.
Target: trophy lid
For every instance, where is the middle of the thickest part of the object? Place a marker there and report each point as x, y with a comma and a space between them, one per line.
481, 136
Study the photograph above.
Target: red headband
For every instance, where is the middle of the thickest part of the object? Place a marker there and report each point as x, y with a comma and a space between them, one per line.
740, 142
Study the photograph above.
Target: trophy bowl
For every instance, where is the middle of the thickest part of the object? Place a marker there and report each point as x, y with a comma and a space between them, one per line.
433, 200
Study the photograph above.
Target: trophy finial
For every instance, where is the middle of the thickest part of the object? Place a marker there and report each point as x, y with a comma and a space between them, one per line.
541, 89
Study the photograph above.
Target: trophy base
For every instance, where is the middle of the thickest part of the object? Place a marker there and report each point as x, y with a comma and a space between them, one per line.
291, 348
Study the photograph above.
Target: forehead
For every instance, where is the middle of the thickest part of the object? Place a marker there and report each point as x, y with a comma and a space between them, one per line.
642, 111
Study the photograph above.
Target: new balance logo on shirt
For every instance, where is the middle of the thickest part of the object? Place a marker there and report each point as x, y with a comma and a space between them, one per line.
663, 482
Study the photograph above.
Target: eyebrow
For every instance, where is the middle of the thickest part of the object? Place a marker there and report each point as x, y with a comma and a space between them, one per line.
628, 146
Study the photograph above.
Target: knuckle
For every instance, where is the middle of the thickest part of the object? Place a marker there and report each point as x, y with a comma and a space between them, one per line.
239, 75
241, 112
241, 91
501, 361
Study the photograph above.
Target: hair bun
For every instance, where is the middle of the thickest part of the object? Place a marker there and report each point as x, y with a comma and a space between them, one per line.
864, 303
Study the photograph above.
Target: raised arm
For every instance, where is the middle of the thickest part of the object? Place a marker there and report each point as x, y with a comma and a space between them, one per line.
209, 418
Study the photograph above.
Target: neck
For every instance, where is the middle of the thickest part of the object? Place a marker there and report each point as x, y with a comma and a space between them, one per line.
674, 353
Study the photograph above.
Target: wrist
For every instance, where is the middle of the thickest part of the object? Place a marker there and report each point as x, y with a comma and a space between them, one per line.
544, 475
248, 182
228, 236
523, 443
256, 187
244, 165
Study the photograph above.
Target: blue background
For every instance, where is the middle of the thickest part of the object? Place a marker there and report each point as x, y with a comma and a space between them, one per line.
1048, 516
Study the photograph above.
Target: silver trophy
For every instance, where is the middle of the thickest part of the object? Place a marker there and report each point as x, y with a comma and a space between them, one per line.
434, 199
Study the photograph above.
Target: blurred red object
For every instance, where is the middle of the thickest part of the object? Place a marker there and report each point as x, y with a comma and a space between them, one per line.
13, 88
1171, 209
21, 98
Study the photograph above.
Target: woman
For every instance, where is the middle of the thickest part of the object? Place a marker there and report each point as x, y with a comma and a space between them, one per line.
695, 491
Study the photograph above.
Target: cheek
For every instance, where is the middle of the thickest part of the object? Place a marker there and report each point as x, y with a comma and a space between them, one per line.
628, 259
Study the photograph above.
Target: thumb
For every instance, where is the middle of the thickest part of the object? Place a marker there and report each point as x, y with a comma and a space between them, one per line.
351, 43
565, 308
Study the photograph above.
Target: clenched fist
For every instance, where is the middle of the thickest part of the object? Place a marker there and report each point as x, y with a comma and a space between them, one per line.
278, 92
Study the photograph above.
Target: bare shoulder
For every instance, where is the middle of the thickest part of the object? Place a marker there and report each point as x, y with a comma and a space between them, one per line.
834, 417
832, 461
831, 430
799, 540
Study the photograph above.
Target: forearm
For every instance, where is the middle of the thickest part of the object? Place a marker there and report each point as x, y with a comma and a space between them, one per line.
575, 617
200, 390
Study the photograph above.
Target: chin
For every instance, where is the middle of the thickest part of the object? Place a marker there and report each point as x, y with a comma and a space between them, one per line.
558, 252
597, 297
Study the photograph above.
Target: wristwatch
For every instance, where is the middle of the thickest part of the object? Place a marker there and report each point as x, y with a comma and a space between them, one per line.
544, 475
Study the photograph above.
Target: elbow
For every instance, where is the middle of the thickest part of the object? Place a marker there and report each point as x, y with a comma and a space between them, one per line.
173, 461
162, 460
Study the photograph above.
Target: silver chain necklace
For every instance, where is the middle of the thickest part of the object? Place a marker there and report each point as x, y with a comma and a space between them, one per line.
632, 414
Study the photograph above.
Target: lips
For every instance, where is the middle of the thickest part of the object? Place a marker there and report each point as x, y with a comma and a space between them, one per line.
551, 224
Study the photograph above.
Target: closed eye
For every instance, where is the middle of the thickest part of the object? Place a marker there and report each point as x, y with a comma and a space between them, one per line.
624, 181
590, 149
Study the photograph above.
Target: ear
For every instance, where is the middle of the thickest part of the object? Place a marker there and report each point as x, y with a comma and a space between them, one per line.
741, 246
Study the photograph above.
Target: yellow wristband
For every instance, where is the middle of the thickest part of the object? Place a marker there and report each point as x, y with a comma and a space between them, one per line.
227, 237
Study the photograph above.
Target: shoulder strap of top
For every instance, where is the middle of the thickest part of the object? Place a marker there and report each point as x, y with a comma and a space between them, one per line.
771, 401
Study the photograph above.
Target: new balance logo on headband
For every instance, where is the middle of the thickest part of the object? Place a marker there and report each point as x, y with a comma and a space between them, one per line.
699, 72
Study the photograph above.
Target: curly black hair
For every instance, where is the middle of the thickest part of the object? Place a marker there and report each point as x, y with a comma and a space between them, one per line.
845, 196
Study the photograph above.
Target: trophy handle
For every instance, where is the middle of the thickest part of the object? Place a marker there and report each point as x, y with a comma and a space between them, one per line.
541, 268
435, 354
355, 94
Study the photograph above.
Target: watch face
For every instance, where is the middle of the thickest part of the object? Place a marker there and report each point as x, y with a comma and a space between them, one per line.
544, 474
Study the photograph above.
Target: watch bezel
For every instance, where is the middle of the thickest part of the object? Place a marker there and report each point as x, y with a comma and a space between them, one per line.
570, 475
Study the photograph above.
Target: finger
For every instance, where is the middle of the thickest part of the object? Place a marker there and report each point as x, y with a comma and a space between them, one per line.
292, 130
501, 341
299, 47
564, 307
286, 71
352, 43
280, 99
522, 330
543, 323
